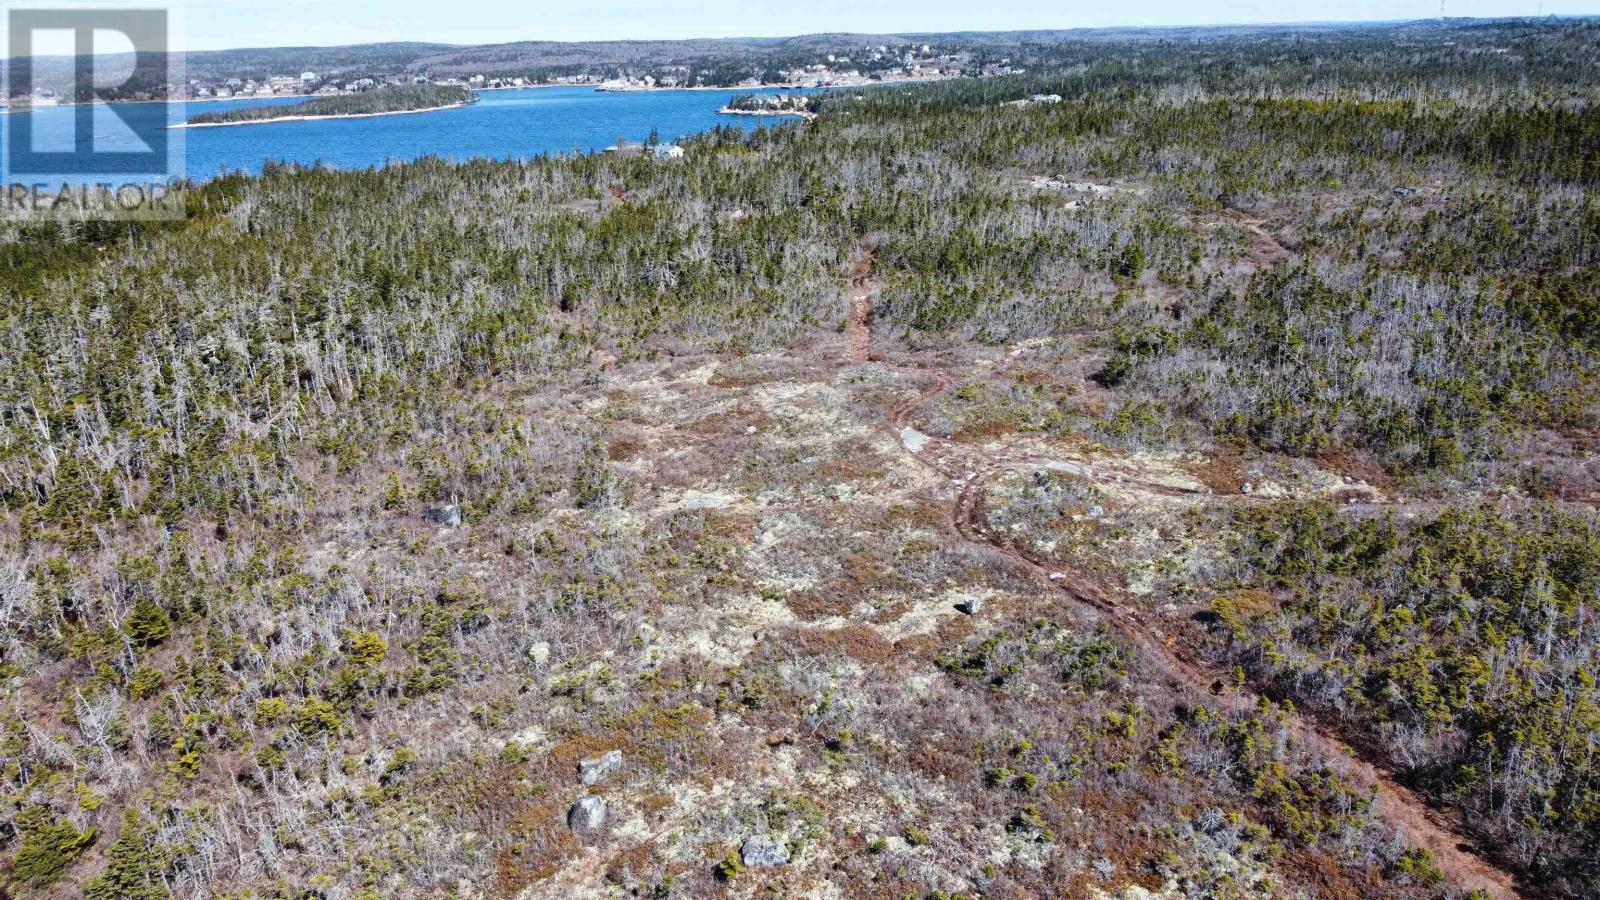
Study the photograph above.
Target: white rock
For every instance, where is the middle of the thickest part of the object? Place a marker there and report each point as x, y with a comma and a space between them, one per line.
532, 737
763, 852
913, 439
599, 768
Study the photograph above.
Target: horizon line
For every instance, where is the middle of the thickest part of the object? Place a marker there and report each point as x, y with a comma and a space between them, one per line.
1305, 23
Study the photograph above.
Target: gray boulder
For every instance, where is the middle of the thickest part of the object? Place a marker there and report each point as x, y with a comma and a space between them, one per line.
448, 516
588, 814
759, 852
599, 768
971, 605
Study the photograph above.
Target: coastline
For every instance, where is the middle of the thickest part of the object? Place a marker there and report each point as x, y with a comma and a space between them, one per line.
786, 86
10, 109
276, 119
6, 110
699, 87
768, 113
595, 86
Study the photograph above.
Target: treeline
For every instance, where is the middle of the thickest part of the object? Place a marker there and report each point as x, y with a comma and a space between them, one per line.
386, 99
295, 295
1545, 61
1464, 645
1423, 373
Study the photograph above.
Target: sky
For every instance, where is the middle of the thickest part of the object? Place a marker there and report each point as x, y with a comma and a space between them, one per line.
223, 24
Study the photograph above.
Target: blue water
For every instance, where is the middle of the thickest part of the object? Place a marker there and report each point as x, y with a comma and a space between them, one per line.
504, 124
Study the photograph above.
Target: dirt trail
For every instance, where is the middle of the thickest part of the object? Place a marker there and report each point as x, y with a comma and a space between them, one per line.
859, 327
972, 470
1268, 248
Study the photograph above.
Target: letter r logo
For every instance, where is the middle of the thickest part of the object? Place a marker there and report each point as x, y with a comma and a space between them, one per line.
55, 146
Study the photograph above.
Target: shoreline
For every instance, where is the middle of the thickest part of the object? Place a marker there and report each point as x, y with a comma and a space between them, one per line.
10, 109
699, 87
768, 113
594, 86
277, 119
786, 86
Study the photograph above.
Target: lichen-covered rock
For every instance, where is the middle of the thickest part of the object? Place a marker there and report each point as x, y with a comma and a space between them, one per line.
448, 516
758, 852
587, 815
599, 768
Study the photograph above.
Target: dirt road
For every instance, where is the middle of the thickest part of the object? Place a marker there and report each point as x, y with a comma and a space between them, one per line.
972, 470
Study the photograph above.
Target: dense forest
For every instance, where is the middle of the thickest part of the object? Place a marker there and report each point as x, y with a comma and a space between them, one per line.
346, 526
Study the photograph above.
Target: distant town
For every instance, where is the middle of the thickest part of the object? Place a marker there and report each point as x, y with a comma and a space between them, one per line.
869, 64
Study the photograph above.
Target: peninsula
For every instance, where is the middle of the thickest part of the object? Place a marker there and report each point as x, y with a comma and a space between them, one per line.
769, 105
383, 101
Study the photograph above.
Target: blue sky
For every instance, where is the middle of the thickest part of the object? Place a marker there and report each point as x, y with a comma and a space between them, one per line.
217, 24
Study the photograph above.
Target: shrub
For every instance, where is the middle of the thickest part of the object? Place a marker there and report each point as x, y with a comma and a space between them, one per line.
134, 872
317, 716
49, 846
731, 867
148, 624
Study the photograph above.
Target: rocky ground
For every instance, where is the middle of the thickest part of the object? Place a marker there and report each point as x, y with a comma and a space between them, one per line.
889, 652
